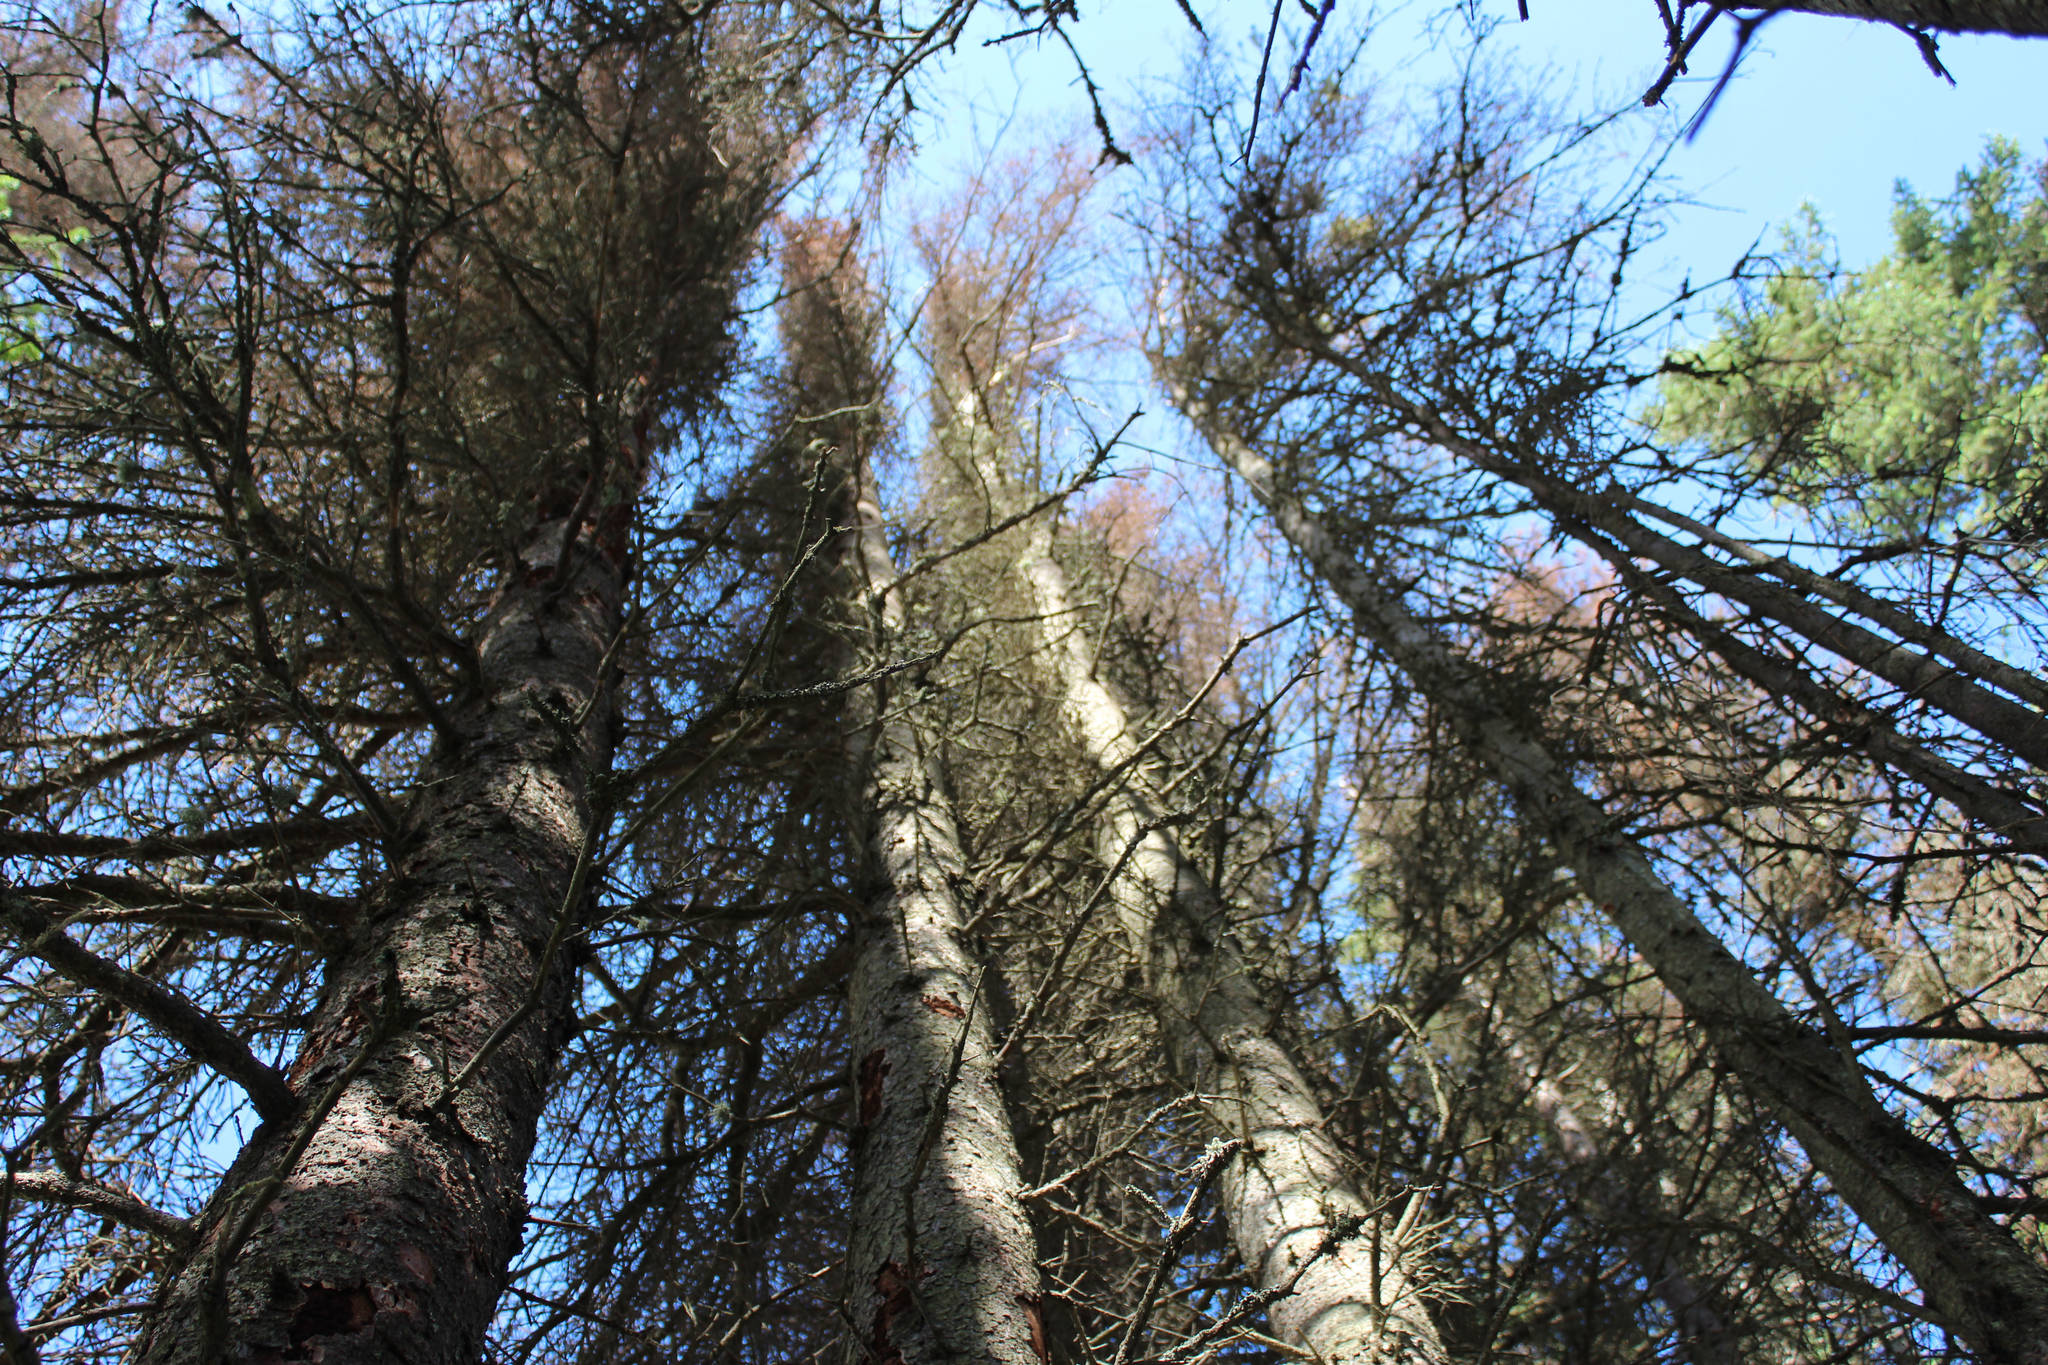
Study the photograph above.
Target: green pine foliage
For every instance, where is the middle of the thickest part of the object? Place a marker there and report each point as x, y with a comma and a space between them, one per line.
19, 319
1904, 400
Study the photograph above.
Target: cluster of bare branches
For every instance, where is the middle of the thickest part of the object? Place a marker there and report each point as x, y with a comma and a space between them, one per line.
592, 775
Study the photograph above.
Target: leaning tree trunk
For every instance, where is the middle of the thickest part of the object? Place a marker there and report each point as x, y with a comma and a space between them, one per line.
1347, 1287
1941, 677
375, 1222
1926, 663
2021, 18
943, 1264
1978, 1281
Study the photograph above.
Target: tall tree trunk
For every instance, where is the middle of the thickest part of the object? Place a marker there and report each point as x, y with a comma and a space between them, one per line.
1346, 1289
1350, 1291
1977, 1280
1604, 521
943, 1264
1703, 1336
376, 1222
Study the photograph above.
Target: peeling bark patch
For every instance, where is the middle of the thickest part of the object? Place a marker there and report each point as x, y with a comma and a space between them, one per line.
894, 1284
331, 1312
1034, 1316
939, 1004
872, 1070
416, 1263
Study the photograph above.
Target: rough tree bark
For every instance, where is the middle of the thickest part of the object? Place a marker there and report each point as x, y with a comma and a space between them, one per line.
1346, 1286
1977, 1280
1349, 1290
943, 1262
376, 1222
2021, 18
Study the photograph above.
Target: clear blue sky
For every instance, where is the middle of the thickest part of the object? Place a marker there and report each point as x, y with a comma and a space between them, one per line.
1827, 110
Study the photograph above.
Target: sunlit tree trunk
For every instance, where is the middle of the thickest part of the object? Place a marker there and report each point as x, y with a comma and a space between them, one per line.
1349, 1290
1345, 1278
943, 1262
1977, 1280
1342, 1272
376, 1221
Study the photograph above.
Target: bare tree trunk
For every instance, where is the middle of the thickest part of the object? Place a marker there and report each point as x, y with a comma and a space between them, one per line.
376, 1221
1977, 1280
2019, 729
2021, 18
1950, 676
943, 1263
1995, 808
1702, 1333
1350, 1293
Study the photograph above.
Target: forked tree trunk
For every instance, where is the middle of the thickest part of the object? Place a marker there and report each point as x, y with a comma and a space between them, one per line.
943, 1264
375, 1223
1351, 1291
1977, 1280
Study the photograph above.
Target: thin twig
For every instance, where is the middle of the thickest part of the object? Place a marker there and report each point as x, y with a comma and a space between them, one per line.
1251, 137
1211, 1166
1041, 996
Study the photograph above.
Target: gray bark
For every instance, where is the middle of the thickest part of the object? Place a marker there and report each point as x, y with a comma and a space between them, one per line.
943, 1263
1344, 1269
376, 1222
1976, 1279
2005, 722
1352, 1293
2021, 18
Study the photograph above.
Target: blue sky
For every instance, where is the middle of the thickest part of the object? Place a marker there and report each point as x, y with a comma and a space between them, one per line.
1830, 110
1826, 110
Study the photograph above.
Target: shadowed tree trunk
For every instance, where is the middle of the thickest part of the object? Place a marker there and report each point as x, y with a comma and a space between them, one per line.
1703, 1334
2023, 18
402, 341
376, 1222
1977, 1280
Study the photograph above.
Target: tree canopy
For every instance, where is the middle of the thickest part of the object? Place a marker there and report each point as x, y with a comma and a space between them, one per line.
1907, 398
619, 742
